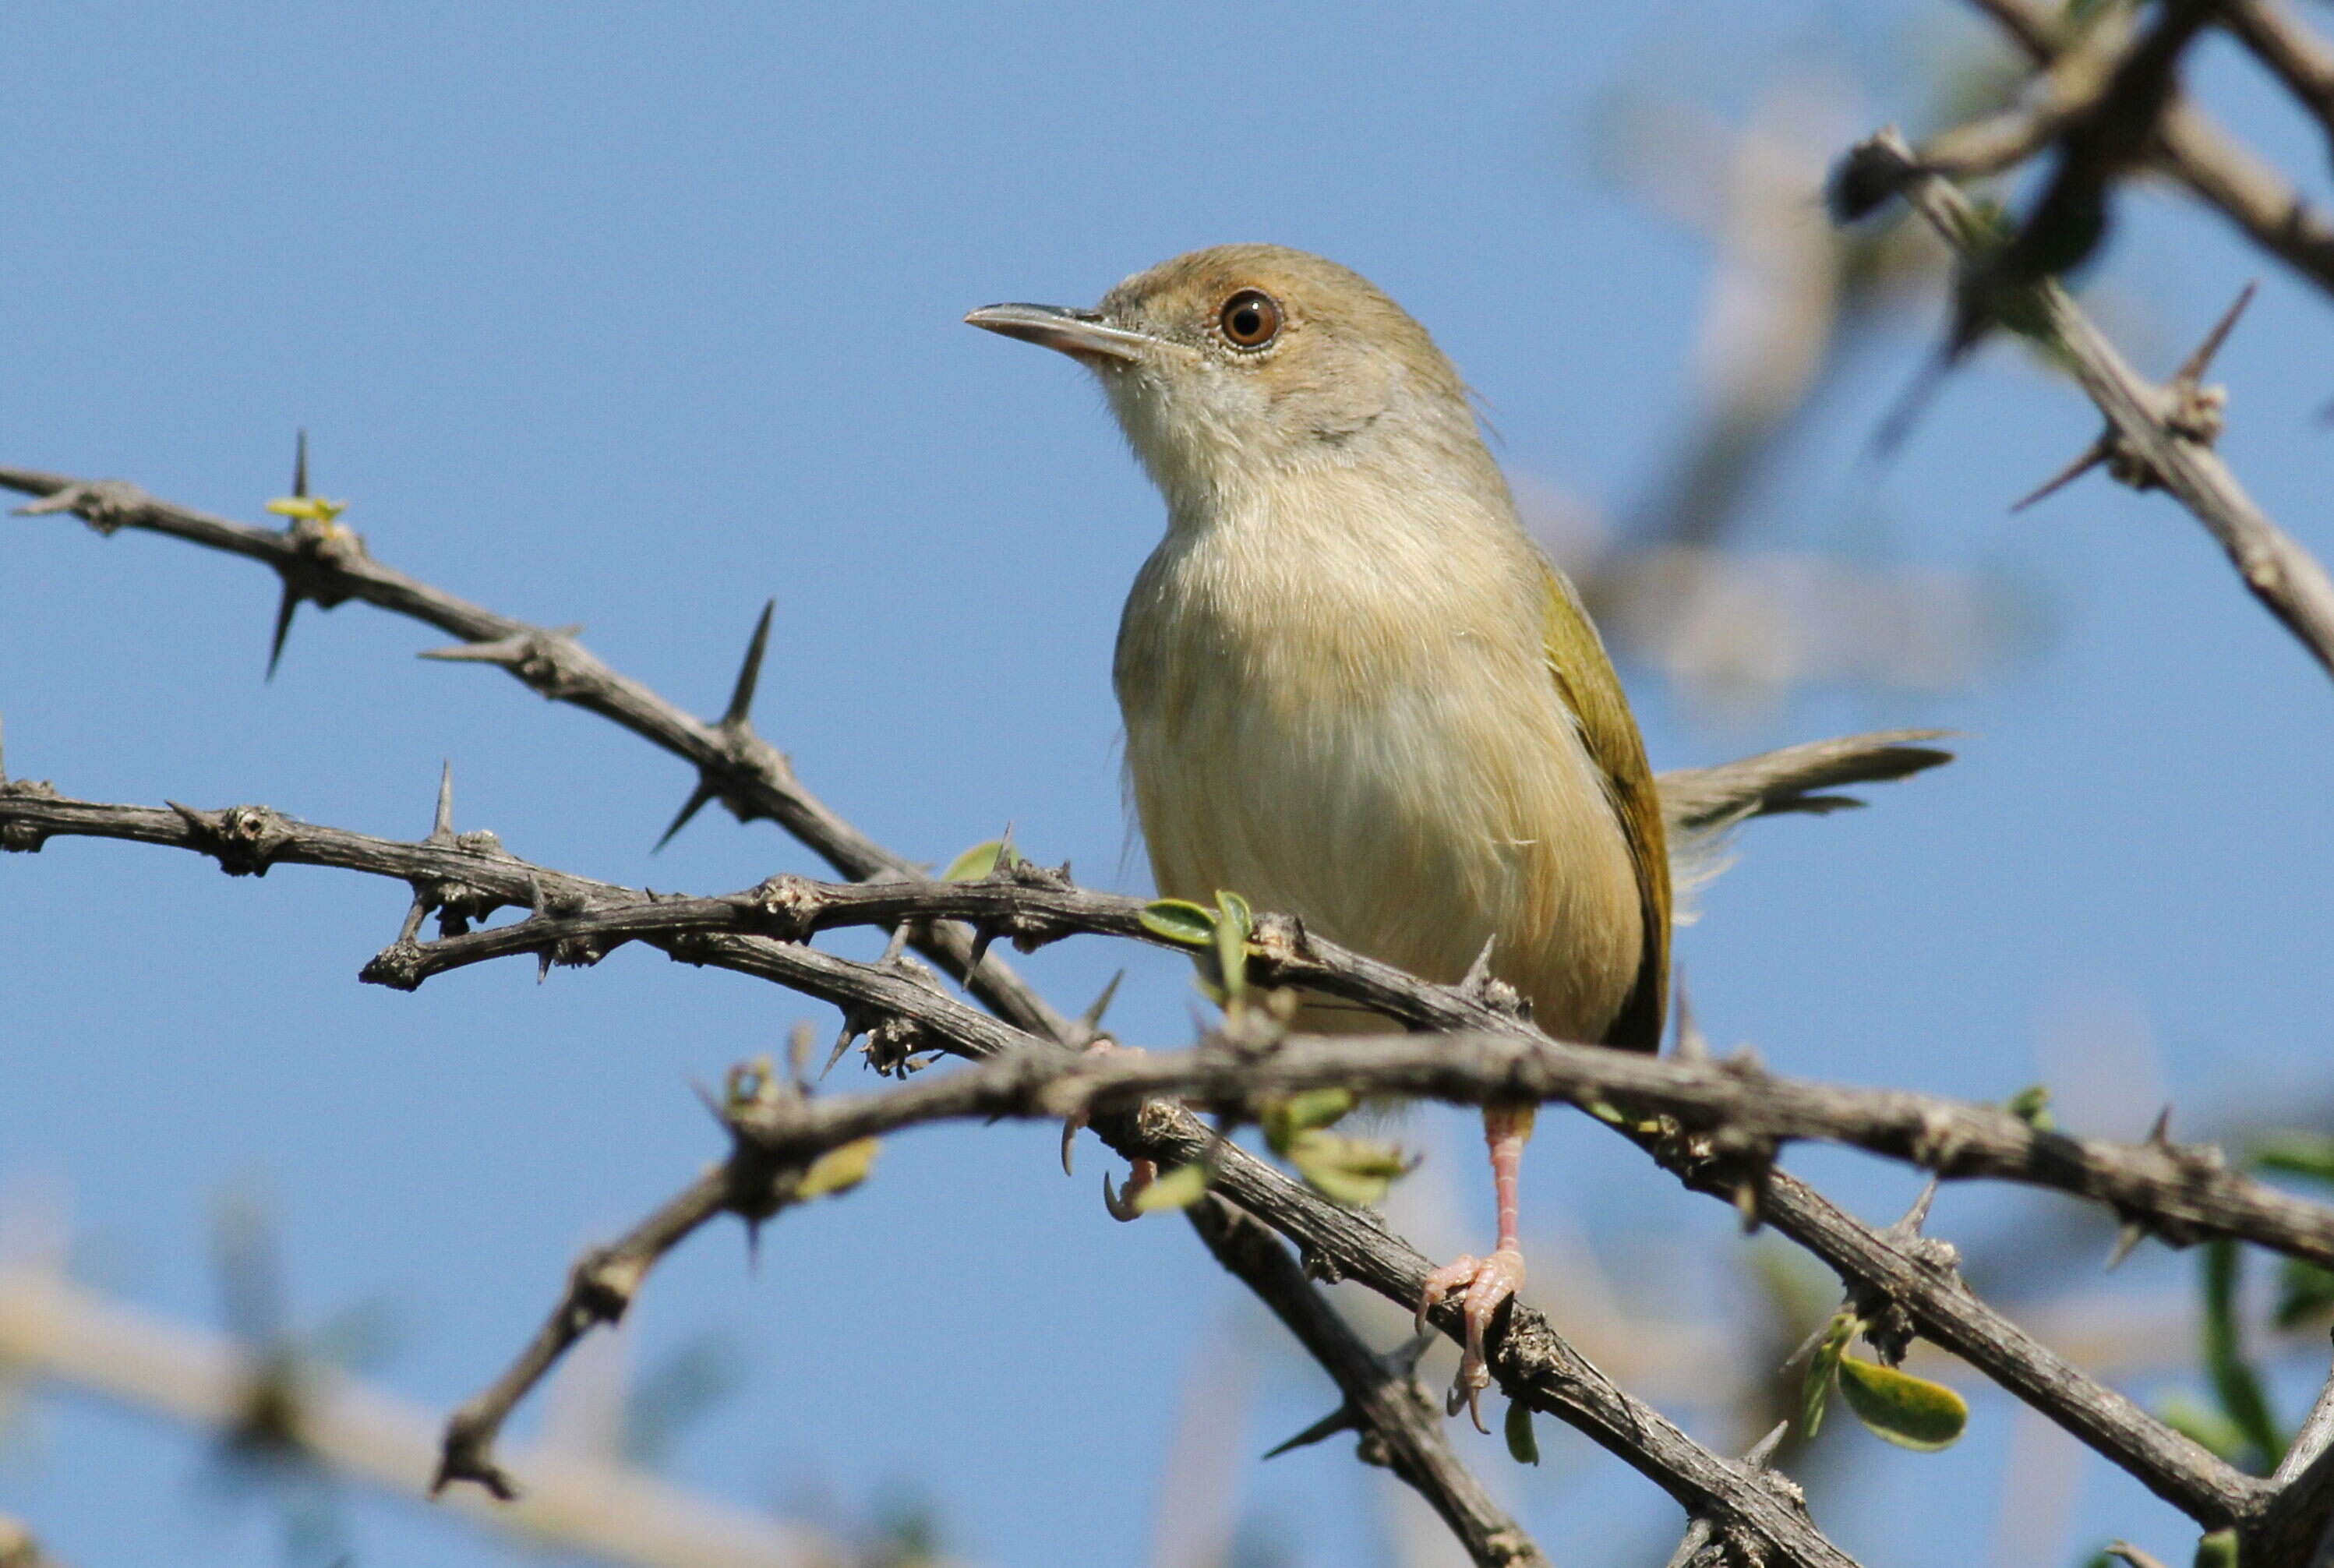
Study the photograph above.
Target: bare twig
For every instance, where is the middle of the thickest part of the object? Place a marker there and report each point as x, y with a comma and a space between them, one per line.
1401, 1427
2193, 149
65, 1334
2285, 44
2164, 437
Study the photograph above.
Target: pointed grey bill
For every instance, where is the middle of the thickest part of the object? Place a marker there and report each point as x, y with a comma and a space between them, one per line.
1075, 332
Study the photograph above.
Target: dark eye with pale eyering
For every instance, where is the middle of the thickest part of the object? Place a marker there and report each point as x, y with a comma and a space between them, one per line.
1250, 319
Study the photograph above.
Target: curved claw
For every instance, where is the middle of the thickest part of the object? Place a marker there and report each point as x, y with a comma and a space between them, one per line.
1121, 1202
1488, 1282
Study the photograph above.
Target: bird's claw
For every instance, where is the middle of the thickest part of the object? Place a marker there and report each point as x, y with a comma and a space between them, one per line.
1075, 1122
1140, 1174
1487, 1282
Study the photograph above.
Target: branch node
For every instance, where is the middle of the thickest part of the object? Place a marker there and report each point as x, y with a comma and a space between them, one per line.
244, 839
107, 505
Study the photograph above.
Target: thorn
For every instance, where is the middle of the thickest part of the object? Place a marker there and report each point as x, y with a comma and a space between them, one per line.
495, 650
1403, 1359
1343, 1419
441, 831
1918, 1215
285, 608
1698, 1535
1762, 1452
2091, 457
738, 718
2129, 1235
696, 802
2160, 1135
842, 1043
1478, 973
300, 464
895, 947
1006, 855
1092, 1016
753, 1244
982, 936
1692, 1045
2192, 370
543, 966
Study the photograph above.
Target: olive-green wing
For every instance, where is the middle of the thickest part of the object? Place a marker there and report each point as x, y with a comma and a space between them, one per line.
1584, 675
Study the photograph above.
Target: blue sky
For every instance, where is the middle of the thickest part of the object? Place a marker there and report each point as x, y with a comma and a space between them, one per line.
639, 316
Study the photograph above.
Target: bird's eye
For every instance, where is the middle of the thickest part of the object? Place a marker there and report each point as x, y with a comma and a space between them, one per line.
1250, 319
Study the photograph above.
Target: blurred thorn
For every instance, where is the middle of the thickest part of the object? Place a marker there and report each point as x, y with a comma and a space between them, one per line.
284, 609
1692, 1045
1762, 1452
2129, 1235
2090, 457
441, 830
1092, 1016
300, 463
1343, 1419
2192, 370
842, 1043
1918, 1215
739, 718
696, 802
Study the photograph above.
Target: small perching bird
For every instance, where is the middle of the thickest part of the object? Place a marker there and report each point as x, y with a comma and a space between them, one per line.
1354, 690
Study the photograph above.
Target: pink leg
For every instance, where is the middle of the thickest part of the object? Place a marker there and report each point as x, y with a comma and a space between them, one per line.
1491, 1280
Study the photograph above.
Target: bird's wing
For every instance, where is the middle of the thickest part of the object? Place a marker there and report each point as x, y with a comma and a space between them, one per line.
1584, 675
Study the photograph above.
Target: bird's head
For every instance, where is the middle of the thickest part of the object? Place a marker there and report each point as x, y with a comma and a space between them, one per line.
1246, 364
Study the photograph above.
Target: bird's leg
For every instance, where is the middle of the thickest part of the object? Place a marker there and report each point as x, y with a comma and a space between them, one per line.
1487, 1281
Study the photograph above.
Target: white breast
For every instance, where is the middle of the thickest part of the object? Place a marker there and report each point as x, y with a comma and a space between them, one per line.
1376, 747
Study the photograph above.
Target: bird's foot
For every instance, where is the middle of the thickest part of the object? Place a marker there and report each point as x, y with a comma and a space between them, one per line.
1487, 1282
1140, 1174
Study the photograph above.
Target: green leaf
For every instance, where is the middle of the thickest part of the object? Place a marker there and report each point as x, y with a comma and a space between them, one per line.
2296, 1154
1822, 1367
2207, 1427
1522, 1446
1233, 925
1909, 1412
838, 1169
1177, 1189
2305, 1292
1287, 1120
2235, 1379
1354, 1171
2217, 1550
1180, 920
978, 861
2031, 1105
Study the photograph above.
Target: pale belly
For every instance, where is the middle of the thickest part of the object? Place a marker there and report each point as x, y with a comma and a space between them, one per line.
1413, 812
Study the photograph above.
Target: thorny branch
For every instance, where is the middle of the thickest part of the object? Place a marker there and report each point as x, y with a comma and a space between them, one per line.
1400, 1425
1900, 1270
2157, 436
2178, 1192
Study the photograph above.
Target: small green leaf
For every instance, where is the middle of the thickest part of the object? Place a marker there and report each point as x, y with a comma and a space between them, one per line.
1180, 920
1815, 1391
1233, 923
314, 508
2031, 1105
978, 861
1285, 1121
2296, 1154
1909, 1412
1354, 1171
1522, 1446
838, 1169
1177, 1189
2207, 1429
2217, 1550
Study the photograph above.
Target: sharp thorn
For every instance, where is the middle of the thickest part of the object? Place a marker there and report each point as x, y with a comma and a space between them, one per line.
1005, 854
1403, 1359
1762, 1452
842, 1043
2091, 458
1698, 1534
1478, 973
1343, 1419
2160, 1134
753, 1246
1918, 1215
441, 830
898, 944
1092, 1016
982, 936
749, 674
698, 797
2192, 370
285, 607
543, 966
2129, 1235
300, 464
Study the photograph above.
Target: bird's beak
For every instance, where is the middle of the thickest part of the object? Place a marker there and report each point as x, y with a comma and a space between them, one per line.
1081, 334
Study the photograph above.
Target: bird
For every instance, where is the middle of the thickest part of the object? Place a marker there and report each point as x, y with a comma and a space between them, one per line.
1354, 690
